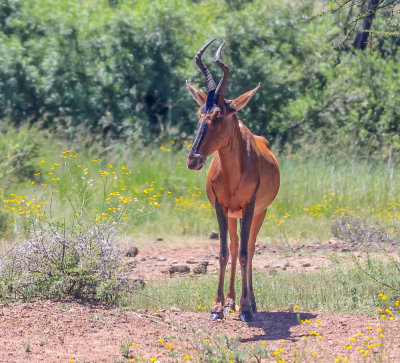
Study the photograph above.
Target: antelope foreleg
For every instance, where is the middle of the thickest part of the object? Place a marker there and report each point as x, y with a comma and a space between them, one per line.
217, 310
246, 311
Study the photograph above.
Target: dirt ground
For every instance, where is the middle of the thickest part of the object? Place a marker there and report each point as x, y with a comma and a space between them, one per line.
67, 330
154, 259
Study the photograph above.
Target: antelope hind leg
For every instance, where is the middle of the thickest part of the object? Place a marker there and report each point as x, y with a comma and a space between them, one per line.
255, 228
246, 311
233, 247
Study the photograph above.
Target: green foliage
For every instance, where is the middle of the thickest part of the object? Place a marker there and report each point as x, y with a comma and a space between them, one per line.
384, 13
117, 68
224, 349
18, 150
18, 153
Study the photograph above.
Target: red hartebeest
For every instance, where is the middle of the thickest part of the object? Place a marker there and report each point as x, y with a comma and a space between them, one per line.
242, 181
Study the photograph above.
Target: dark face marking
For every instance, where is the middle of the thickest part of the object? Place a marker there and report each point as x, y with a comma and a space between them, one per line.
195, 159
201, 133
209, 119
210, 101
210, 106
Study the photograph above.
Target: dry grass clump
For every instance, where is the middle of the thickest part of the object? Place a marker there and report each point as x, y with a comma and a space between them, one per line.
83, 262
358, 229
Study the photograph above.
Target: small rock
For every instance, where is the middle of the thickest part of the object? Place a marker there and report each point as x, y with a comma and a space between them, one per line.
159, 239
182, 269
213, 235
174, 262
174, 309
345, 250
143, 259
191, 261
132, 252
200, 268
162, 259
307, 264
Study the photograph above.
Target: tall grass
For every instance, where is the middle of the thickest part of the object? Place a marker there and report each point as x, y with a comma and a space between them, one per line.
335, 289
165, 198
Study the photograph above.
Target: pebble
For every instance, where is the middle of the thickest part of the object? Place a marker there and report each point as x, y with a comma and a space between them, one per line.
200, 268
132, 252
191, 261
213, 235
182, 269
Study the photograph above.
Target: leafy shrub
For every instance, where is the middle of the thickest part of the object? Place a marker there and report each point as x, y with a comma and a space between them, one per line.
19, 150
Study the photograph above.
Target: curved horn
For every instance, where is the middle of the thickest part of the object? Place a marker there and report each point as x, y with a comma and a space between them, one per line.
220, 91
210, 81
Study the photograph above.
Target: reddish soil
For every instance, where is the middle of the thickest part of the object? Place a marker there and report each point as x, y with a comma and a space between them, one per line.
66, 331
153, 261
63, 331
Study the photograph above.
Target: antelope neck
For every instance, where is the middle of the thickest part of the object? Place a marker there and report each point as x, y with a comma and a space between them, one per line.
231, 159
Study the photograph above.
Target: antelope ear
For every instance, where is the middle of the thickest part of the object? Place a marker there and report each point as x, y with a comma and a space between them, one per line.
240, 102
199, 96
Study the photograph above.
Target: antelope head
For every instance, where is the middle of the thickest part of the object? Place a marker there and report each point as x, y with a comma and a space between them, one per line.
217, 114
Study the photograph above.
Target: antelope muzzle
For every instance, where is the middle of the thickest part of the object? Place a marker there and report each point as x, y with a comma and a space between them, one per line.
195, 161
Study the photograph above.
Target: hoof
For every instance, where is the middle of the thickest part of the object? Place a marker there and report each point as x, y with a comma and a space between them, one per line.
229, 308
246, 317
216, 315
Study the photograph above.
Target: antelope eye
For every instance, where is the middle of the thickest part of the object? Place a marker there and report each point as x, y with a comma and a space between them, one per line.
217, 116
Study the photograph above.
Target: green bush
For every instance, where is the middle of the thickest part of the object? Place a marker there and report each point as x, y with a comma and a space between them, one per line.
106, 69
19, 150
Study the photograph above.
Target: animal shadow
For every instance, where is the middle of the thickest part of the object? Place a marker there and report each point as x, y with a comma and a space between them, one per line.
276, 325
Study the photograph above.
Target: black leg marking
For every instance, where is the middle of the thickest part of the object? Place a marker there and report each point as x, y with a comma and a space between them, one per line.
223, 231
218, 310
